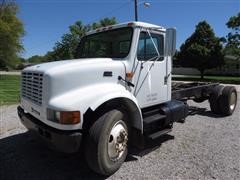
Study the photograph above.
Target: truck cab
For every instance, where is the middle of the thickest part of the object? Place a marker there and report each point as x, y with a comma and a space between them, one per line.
117, 93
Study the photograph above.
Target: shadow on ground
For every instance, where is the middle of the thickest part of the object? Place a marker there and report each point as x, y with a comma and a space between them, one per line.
25, 157
149, 147
194, 110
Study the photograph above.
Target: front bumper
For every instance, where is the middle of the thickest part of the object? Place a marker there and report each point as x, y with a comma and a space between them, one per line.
61, 140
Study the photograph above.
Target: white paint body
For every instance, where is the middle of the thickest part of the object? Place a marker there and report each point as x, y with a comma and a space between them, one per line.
77, 85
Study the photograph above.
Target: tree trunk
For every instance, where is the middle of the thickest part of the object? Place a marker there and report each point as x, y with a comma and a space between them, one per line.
202, 73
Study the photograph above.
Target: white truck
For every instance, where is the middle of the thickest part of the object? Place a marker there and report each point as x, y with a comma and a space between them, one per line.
117, 94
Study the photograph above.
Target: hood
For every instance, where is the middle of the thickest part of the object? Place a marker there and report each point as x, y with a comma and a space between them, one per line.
62, 77
66, 64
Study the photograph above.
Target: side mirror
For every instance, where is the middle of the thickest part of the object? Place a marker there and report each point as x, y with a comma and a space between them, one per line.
170, 47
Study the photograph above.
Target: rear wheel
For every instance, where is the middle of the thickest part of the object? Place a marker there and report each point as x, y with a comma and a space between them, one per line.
106, 147
228, 100
214, 99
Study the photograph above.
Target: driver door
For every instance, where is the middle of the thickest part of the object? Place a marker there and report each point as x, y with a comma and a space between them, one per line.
150, 70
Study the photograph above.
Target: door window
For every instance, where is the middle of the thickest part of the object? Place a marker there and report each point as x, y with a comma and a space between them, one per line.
146, 49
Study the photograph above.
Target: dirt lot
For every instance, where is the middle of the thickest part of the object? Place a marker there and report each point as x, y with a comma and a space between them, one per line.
206, 146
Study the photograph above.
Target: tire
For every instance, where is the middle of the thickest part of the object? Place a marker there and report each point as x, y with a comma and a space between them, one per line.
228, 100
109, 131
214, 99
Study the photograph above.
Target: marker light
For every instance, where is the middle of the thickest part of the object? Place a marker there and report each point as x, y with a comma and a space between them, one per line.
129, 75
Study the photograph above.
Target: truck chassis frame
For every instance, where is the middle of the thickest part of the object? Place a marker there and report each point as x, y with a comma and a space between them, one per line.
198, 91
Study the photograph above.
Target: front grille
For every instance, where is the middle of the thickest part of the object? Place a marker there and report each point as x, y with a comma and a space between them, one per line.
32, 86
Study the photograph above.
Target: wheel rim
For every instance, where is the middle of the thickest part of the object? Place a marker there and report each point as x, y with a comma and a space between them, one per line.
117, 141
233, 99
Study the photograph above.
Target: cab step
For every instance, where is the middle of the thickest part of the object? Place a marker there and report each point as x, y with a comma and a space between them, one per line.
157, 134
153, 119
151, 112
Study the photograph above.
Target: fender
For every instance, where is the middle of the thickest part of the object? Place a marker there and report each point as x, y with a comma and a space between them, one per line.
92, 97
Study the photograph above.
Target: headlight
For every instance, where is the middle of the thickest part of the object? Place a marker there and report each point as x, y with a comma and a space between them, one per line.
64, 117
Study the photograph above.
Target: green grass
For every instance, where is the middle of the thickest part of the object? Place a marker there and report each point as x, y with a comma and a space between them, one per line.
9, 89
220, 79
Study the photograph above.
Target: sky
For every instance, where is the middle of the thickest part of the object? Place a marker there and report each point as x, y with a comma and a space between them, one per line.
45, 21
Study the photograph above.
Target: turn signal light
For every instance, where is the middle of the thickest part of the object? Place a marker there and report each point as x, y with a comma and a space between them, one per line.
69, 117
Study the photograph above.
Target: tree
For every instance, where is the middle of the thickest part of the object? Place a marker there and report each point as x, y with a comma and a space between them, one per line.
35, 59
175, 60
11, 32
202, 50
104, 22
233, 38
65, 49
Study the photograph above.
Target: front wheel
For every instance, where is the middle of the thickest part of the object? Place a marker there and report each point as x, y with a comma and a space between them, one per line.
106, 147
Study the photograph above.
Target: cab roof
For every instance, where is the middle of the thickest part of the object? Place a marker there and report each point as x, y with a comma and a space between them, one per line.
128, 24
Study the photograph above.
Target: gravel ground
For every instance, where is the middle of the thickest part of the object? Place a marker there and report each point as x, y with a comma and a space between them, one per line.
9, 122
206, 146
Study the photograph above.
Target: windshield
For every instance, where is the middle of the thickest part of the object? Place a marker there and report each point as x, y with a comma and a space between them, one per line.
110, 44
